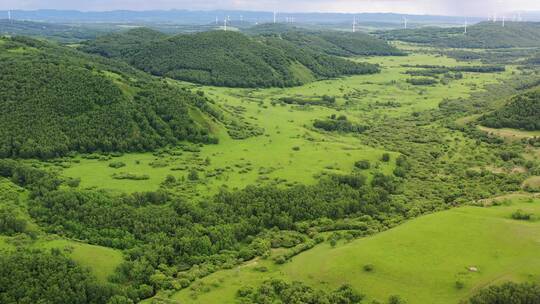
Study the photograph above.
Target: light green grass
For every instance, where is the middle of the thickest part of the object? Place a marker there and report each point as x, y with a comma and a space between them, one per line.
420, 260
102, 261
289, 126
511, 134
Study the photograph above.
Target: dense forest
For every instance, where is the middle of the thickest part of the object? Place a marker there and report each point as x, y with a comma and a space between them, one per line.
223, 58
481, 35
328, 42
48, 277
57, 100
521, 112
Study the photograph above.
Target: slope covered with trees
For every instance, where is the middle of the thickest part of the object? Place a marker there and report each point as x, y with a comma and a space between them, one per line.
328, 42
481, 35
522, 112
223, 58
55, 100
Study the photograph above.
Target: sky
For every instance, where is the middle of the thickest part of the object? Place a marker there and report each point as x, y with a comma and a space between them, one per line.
438, 7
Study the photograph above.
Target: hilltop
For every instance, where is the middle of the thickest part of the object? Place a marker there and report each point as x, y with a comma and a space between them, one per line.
223, 58
481, 35
55, 100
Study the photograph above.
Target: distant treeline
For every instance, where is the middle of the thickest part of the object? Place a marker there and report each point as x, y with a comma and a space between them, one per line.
328, 42
482, 35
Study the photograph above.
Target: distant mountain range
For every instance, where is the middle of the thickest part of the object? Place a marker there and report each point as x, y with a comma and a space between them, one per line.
205, 17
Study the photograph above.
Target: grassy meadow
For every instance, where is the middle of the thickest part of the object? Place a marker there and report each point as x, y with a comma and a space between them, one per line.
289, 151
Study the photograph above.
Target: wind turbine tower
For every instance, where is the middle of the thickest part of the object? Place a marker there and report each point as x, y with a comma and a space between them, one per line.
275, 16
225, 24
405, 22
503, 19
9, 15
354, 25
465, 32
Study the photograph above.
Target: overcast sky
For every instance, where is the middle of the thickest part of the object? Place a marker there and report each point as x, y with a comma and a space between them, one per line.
440, 7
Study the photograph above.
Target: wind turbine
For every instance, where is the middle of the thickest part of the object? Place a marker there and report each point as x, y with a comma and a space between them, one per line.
465, 32
225, 24
9, 15
354, 25
405, 22
503, 19
275, 16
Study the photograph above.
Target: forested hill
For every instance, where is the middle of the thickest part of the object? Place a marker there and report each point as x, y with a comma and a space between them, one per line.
522, 112
328, 42
223, 58
55, 100
481, 35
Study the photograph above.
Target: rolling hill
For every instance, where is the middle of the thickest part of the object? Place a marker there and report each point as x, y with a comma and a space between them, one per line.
223, 58
328, 42
521, 112
482, 35
55, 100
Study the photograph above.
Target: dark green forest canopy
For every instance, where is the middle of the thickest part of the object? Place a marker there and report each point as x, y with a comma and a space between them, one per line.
482, 35
521, 112
328, 42
55, 100
224, 58
39, 277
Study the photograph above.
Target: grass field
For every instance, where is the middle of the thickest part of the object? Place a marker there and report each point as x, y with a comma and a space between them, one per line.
102, 261
420, 260
270, 158
511, 134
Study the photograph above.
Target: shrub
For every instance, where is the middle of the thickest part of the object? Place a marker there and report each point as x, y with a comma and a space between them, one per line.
132, 176
385, 157
117, 164
362, 164
73, 182
193, 175
521, 215
368, 267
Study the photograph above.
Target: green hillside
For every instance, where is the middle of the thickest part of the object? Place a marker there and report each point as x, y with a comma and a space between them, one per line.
481, 35
329, 42
222, 58
521, 112
55, 100
449, 255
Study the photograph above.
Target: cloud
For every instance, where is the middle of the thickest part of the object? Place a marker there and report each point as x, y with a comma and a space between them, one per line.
445, 7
